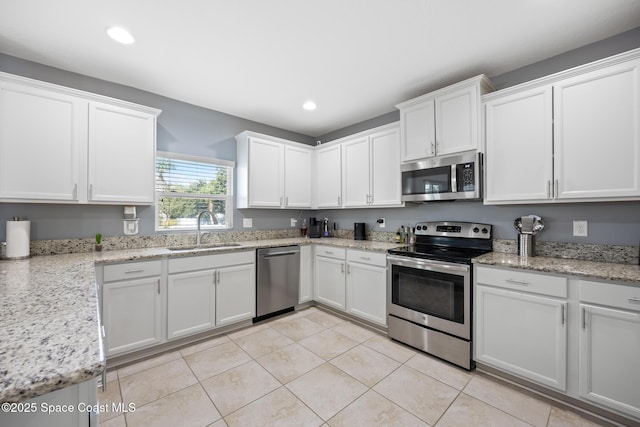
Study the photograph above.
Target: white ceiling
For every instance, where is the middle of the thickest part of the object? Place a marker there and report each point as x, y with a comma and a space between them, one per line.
261, 59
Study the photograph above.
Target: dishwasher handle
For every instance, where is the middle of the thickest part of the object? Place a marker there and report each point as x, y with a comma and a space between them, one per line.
278, 254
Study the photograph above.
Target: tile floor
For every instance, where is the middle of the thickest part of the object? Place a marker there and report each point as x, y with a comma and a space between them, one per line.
312, 368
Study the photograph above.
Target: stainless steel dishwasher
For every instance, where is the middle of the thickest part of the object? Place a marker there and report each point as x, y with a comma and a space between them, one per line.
278, 280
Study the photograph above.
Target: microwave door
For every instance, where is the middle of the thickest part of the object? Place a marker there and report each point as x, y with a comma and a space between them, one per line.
426, 184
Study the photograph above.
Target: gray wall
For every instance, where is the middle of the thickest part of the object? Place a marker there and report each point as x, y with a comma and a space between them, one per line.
193, 130
182, 128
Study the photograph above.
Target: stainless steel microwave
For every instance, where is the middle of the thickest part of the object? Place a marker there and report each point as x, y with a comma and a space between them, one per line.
455, 177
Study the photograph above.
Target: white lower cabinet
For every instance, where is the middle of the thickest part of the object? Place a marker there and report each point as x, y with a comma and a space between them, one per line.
305, 293
131, 306
199, 293
535, 326
191, 304
209, 291
610, 346
72, 406
330, 276
353, 281
367, 285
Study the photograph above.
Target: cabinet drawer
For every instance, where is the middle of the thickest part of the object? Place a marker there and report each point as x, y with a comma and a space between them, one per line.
192, 263
522, 281
132, 270
331, 252
621, 296
367, 257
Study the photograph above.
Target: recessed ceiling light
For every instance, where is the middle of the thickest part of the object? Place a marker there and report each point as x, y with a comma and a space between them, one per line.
120, 35
309, 105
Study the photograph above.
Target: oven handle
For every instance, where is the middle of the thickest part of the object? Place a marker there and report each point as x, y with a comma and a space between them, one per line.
430, 265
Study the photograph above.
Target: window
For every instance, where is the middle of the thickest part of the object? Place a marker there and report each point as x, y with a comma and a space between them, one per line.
187, 185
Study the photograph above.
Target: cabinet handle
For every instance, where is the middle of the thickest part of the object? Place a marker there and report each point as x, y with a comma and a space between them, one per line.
555, 188
365, 257
103, 333
75, 191
280, 200
339, 201
158, 286
348, 269
563, 313
134, 271
104, 380
634, 300
433, 148
286, 201
517, 282
328, 252
342, 267
218, 277
90, 191
548, 189
584, 318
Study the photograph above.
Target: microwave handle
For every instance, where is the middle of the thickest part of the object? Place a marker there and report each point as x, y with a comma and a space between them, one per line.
454, 179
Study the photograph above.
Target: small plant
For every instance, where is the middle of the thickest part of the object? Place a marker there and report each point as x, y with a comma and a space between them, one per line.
98, 242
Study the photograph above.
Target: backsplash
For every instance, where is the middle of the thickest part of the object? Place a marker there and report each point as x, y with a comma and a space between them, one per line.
583, 251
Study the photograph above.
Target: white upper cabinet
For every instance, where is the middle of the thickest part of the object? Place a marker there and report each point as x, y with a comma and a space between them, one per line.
41, 138
443, 122
356, 172
328, 176
62, 145
574, 136
272, 172
597, 133
370, 168
121, 154
519, 149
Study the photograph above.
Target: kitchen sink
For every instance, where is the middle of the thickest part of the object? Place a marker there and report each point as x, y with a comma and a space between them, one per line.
203, 247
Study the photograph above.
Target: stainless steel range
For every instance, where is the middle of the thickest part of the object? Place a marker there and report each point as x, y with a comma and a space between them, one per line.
429, 288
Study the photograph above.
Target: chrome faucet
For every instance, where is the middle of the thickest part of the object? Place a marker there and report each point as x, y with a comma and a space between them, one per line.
200, 234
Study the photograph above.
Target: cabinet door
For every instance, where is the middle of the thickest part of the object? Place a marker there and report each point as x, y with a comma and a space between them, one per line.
235, 294
597, 133
328, 182
386, 187
367, 292
41, 138
266, 173
523, 334
356, 172
609, 355
122, 146
418, 131
297, 177
191, 302
457, 121
519, 147
330, 281
131, 314
305, 293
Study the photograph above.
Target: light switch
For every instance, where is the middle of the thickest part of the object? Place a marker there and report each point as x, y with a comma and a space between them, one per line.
247, 222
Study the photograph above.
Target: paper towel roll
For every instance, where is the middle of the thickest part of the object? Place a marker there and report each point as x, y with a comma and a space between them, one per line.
18, 234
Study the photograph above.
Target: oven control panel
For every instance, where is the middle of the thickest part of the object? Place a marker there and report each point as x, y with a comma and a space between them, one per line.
454, 229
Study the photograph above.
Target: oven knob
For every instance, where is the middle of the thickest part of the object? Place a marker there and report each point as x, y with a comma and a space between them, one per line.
485, 231
476, 230
419, 227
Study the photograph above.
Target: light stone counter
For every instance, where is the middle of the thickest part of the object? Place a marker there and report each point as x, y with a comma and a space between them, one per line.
49, 325
568, 267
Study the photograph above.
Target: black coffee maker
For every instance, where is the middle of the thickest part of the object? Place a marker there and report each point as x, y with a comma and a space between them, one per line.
315, 228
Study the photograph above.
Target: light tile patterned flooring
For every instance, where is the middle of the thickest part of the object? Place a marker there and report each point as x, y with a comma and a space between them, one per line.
312, 368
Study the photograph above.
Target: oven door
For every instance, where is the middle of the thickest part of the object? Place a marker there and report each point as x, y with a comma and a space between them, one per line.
431, 293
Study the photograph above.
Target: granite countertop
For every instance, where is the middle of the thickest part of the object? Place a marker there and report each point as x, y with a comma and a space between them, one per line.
569, 267
49, 328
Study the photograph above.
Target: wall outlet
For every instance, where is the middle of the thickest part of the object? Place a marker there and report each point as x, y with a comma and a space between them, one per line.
247, 222
294, 222
580, 228
382, 222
